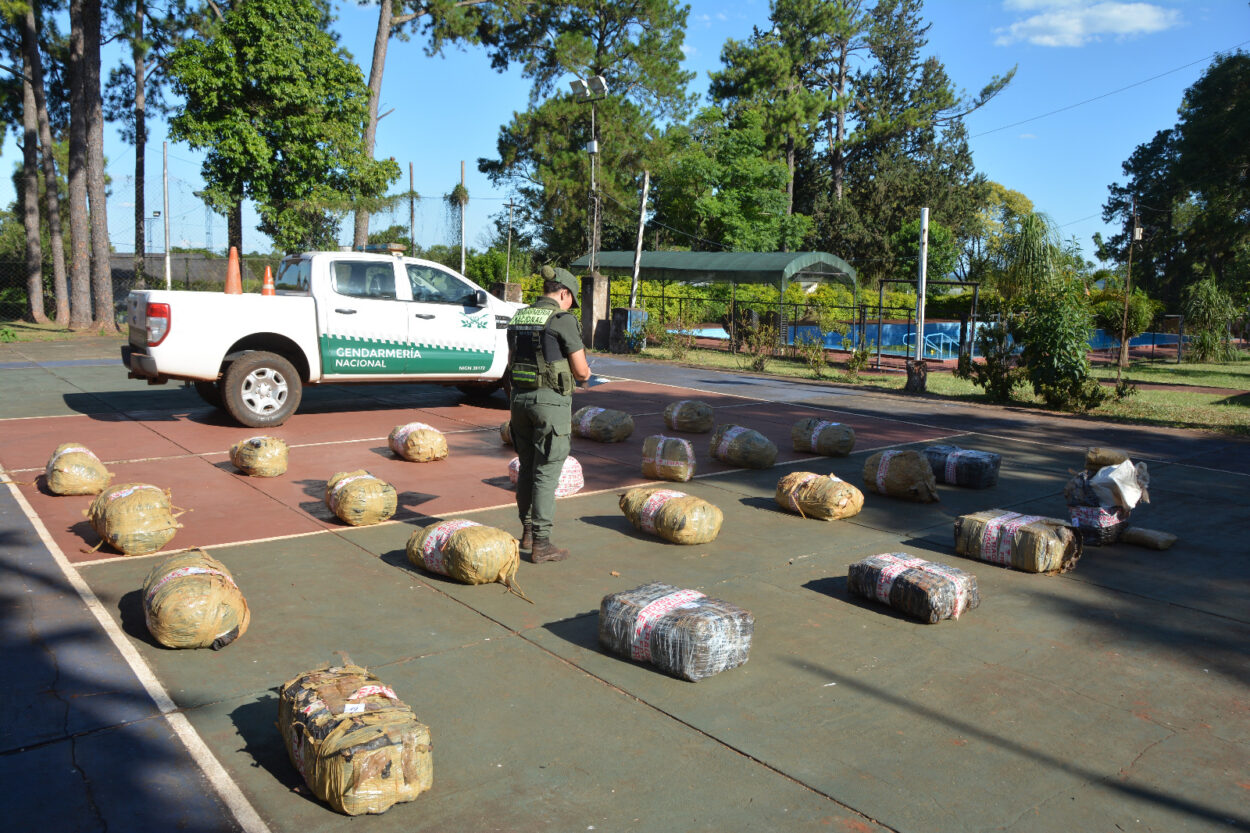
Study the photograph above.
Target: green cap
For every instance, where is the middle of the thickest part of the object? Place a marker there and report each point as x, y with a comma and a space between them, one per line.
564, 277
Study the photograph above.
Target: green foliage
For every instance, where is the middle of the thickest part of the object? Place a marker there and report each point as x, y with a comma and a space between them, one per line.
943, 255
811, 349
7, 334
1031, 257
1055, 333
1108, 307
759, 348
857, 360
1208, 313
674, 333
998, 373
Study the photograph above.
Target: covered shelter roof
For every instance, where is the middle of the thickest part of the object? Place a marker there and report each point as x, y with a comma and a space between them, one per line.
739, 267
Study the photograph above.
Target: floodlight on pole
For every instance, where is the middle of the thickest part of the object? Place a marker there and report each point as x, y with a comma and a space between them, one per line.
591, 90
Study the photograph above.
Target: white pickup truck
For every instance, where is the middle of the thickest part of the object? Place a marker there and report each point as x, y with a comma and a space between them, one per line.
337, 317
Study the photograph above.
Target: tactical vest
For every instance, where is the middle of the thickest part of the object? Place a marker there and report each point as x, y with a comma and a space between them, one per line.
537, 360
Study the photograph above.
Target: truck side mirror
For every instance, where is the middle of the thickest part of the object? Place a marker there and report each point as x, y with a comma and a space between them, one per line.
479, 298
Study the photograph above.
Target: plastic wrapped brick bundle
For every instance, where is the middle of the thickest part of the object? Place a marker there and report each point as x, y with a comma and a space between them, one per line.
74, 470
417, 442
190, 600
1096, 458
902, 474
830, 439
1152, 538
1026, 542
667, 458
745, 447
260, 456
358, 747
689, 415
571, 478
1098, 525
358, 498
602, 425
505, 433
681, 632
924, 589
963, 466
674, 516
133, 518
466, 551
821, 496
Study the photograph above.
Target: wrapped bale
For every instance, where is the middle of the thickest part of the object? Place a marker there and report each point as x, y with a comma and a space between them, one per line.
829, 439
260, 456
602, 425
133, 518
822, 496
963, 466
571, 479
674, 516
417, 442
924, 589
505, 433
902, 474
190, 600
358, 747
1098, 525
74, 470
1152, 538
681, 632
358, 498
744, 447
466, 551
689, 415
667, 458
1026, 542
1096, 458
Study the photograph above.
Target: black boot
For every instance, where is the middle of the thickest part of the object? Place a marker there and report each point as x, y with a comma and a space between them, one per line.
544, 550
527, 537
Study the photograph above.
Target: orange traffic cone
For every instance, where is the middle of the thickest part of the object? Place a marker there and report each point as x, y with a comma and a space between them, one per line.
267, 287
234, 278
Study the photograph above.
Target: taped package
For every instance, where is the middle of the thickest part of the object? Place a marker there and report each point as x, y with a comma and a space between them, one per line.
602, 425
1030, 543
357, 746
133, 518
466, 551
260, 456
830, 439
190, 600
1123, 485
1151, 538
923, 589
744, 447
1097, 457
902, 474
505, 433
417, 442
1098, 525
674, 516
689, 415
571, 479
667, 458
963, 466
821, 496
74, 470
681, 632
360, 499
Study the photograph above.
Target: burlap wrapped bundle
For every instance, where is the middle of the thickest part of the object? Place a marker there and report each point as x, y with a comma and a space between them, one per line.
190, 600
466, 551
674, 516
667, 458
1096, 458
1026, 542
830, 439
902, 474
133, 518
924, 589
963, 466
571, 479
359, 498
820, 496
417, 442
681, 632
1098, 525
1152, 538
689, 415
505, 432
745, 447
358, 747
260, 456
602, 424
74, 470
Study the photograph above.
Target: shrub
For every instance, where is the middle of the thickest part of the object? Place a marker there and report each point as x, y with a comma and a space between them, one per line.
1055, 334
998, 373
1208, 312
811, 348
7, 334
759, 346
675, 333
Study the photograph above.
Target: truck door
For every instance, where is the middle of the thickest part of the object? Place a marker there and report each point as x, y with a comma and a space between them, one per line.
366, 330
452, 335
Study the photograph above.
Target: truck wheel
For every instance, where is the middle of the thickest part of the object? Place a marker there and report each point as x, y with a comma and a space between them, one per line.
261, 389
210, 393
478, 393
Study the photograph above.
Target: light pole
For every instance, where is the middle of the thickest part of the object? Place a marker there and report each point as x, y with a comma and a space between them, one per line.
147, 230
591, 90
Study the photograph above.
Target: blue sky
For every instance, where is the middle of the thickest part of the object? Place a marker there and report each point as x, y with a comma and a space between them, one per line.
1058, 133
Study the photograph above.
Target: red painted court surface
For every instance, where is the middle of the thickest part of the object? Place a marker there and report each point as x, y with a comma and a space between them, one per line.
187, 454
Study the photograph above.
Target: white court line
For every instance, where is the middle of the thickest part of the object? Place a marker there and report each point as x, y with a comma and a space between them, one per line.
226, 788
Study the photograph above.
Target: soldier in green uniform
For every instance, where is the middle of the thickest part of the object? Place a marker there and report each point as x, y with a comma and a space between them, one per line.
546, 358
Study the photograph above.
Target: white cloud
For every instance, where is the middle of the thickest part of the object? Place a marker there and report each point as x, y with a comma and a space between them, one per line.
1078, 22
1028, 135
688, 50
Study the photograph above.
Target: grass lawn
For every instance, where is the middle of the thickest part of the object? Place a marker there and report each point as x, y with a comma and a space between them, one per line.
18, 330
1232, 375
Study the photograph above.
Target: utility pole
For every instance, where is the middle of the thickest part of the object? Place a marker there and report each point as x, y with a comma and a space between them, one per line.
412, 214
921, 280
507, 267
1133, 237
591, 90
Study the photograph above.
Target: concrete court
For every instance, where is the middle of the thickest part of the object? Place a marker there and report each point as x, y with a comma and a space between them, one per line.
1114, 697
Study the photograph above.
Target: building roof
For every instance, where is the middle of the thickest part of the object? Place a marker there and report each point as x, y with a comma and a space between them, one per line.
739, 267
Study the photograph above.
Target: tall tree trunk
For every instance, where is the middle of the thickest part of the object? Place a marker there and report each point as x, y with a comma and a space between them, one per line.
101, 262
51, 192
138, 50
79, 230
234, 226
838, 159
360, 235
30, 196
